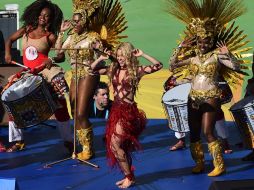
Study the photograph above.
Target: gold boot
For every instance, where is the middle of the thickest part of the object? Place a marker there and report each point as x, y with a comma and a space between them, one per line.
218, 161
85, 138
197, 154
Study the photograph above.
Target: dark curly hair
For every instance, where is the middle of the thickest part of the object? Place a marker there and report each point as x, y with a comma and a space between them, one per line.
32, 12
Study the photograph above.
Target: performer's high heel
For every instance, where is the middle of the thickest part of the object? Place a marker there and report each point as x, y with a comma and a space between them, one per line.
197, 154
85, 137
218, 161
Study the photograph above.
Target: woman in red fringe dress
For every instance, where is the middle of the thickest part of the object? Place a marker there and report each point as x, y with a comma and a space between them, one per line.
126, 121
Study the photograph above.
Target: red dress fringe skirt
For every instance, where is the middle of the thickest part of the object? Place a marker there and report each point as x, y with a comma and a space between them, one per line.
133, 121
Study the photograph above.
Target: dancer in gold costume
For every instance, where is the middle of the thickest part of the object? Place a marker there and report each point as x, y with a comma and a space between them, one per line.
208, 53
95, 24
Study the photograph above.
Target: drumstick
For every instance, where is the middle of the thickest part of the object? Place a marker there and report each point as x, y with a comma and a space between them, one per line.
14, 62
35, 70
14, 76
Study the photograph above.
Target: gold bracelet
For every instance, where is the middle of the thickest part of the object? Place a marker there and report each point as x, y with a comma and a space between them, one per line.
60, 35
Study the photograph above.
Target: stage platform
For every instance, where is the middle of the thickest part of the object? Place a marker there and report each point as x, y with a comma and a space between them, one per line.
156, 167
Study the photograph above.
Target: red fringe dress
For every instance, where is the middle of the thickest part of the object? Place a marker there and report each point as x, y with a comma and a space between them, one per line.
127, 115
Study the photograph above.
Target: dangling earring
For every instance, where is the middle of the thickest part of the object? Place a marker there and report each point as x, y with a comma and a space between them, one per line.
46, 27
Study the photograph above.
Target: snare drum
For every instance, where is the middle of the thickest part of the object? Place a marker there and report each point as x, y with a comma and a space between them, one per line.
243, 112
174, 102
29, 101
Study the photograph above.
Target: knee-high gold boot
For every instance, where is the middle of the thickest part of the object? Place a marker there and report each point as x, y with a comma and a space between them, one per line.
218, 161
197, 154
85, 138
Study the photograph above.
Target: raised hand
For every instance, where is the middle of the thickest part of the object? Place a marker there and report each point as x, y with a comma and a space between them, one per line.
188, 42
105, 54
66, 24
137, 52
222, 47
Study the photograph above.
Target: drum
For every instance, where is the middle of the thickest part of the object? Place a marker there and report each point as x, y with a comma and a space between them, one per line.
29, 101
60, 85
174, 102
243, 113
55, 76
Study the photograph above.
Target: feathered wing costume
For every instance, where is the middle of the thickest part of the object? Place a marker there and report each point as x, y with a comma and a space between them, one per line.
109, 22
210, 18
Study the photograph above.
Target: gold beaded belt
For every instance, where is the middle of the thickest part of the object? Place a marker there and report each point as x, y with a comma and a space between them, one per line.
201, 96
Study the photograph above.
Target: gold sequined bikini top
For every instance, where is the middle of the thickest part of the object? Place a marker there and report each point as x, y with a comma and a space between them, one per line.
83, 43
207, 67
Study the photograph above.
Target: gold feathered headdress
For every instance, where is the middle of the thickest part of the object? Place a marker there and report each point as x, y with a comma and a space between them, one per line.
108, 21
85, 7
205, 17
210, 18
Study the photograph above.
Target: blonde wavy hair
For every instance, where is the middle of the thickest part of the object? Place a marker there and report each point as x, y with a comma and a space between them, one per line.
132, 64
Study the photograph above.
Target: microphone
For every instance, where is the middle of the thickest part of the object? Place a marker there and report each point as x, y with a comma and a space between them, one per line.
111, 57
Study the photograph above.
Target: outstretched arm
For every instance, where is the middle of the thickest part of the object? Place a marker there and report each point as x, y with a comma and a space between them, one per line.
102, 58
226, 58
156, 65
8, 43
175, 63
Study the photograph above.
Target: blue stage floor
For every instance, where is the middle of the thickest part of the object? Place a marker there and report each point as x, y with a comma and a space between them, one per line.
156, 167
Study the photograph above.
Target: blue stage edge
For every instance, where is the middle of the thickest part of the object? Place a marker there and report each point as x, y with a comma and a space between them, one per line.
155, 167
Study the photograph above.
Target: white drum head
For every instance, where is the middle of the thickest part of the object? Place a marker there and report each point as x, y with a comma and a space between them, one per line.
21, 88
177, 95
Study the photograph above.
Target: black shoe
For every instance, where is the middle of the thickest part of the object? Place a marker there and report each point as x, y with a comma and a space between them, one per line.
249, 157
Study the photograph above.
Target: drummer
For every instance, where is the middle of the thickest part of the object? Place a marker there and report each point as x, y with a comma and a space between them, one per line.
41, 23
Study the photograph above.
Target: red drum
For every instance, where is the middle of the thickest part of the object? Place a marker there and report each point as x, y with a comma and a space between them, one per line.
59, 84
55, 76
29, 101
